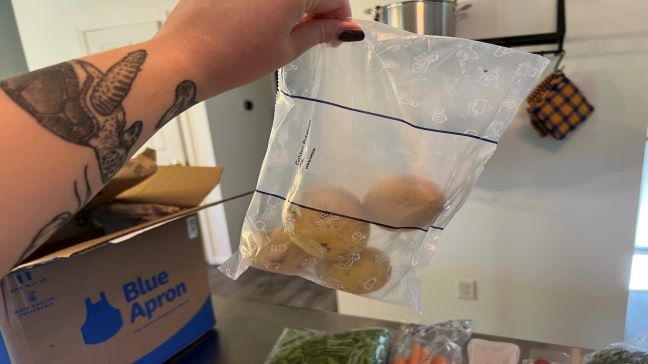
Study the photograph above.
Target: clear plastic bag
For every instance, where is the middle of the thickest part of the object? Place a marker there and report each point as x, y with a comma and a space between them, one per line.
375, 146
367, 346
437, 344
486, 352
543, 356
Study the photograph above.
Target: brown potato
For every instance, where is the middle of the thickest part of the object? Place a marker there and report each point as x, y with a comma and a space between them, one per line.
357, 273
322, 234
404, 201
277, 253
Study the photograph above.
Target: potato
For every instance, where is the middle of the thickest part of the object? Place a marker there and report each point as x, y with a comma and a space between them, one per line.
277, 253
357, 273
404, 201
323, 234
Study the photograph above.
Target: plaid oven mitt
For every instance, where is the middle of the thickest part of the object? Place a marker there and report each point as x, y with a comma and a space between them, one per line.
557, 106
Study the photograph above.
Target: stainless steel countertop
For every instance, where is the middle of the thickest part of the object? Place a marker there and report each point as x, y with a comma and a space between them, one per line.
246, 330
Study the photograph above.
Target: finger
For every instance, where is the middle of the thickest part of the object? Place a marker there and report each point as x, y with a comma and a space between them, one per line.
336, 8
314, 31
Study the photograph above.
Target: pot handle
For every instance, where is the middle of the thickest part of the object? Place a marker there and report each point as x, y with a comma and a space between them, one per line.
462, 7
375, 12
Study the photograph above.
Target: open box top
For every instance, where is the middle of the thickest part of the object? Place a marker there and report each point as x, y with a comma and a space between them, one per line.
178, 186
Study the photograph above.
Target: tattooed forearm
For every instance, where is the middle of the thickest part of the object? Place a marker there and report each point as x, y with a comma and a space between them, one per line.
88, 194
185, 97
59, 220
81, 104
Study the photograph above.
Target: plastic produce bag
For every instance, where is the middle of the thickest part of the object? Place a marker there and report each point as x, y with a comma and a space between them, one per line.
544, 356
630, 352
487, 352
375, 146
368, 346
436, 344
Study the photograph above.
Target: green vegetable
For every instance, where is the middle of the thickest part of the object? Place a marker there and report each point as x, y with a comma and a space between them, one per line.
619, 355
299, 346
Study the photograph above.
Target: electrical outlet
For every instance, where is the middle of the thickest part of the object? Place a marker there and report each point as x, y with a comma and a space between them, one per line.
466, 289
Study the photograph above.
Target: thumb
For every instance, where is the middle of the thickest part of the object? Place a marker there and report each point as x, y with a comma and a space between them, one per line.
311, 32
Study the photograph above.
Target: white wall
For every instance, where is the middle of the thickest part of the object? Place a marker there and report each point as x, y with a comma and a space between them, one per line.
556, 219
34, 25
12, 58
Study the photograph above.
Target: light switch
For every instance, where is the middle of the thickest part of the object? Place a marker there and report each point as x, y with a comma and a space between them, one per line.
466, 289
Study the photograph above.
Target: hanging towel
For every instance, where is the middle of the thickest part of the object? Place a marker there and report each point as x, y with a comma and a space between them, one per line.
557, 106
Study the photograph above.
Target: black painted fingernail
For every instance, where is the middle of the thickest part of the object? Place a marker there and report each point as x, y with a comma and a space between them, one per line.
351, 36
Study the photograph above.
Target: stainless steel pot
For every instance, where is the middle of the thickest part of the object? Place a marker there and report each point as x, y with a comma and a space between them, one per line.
425, 17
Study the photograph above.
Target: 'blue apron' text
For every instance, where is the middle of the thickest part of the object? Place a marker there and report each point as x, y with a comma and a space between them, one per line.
141, 287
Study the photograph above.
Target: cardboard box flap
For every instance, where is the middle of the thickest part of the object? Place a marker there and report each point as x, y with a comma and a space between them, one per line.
119, 236
185, 186
131, 174
175, 186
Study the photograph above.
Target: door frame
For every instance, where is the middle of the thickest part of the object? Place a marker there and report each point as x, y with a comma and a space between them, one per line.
196, 132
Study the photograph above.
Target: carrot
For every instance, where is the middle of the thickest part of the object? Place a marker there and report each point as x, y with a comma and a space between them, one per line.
439, 360
425, 356
400, 361
415, 353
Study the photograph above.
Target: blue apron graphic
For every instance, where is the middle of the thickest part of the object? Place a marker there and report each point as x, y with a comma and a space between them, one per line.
103, 321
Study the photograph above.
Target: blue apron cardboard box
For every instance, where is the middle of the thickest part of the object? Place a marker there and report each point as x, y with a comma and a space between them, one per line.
139, 295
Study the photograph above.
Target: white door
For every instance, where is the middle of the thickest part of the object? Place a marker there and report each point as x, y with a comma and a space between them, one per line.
57, 31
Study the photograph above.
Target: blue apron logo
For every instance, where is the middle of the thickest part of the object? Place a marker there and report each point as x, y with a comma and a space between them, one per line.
103, 321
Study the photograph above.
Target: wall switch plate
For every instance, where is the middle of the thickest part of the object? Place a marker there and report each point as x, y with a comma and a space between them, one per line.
466, 289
